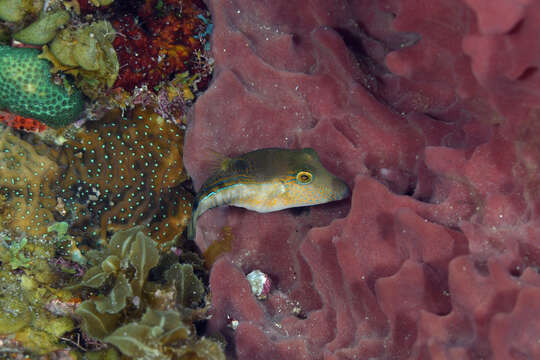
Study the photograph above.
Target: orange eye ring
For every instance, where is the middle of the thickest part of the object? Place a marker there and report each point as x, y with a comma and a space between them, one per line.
304, 177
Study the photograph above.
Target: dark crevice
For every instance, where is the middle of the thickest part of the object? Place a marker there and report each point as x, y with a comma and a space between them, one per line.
527, 73
300, 211
481, 267
516, 28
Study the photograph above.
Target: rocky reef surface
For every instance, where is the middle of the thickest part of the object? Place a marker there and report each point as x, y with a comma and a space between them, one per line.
94, 197
430, 111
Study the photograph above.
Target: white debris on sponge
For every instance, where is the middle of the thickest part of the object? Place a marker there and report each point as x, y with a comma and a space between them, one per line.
260, 284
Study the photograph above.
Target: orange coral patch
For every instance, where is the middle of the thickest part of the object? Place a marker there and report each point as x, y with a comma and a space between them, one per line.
21, 123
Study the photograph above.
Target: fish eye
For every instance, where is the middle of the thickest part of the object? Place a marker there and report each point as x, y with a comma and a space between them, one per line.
304, 177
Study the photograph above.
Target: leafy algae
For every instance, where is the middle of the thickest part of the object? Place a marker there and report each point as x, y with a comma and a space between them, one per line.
129, 313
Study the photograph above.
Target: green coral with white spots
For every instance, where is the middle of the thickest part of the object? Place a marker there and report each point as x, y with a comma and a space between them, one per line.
27, 89
125, 170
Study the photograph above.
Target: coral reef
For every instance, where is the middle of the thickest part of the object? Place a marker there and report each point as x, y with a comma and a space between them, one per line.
24, 294
146, 303
123, 171
78, 184
161, 43
157, 54
27, 89
429, 110
113, 174
27, 199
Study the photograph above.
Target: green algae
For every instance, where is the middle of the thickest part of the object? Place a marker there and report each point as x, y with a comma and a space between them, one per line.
142, 303
44, 29
15, 314
18, 259
94, 323
27, 89
139, 339
5, 35
16, 10
130, 254
140, 317
107, 354
87, 53
189, 288
25, 293
43, 336
64, 241
102, 2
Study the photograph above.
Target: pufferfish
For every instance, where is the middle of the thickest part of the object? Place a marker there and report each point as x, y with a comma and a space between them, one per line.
267, 180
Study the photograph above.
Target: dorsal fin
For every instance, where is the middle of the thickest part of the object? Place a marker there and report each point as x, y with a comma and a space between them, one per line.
216, 160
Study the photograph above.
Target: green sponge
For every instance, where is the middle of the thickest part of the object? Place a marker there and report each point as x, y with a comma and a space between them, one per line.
26, 89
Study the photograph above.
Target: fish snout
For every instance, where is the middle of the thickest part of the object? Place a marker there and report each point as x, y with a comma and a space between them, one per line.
340, 189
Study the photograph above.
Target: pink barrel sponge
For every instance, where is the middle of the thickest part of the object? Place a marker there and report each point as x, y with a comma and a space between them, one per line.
429, 110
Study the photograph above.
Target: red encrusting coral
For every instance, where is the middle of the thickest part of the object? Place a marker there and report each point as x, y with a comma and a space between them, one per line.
21, 123
160, 42
430, 111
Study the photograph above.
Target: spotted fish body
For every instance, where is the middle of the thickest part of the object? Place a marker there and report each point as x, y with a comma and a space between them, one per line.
268, 180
